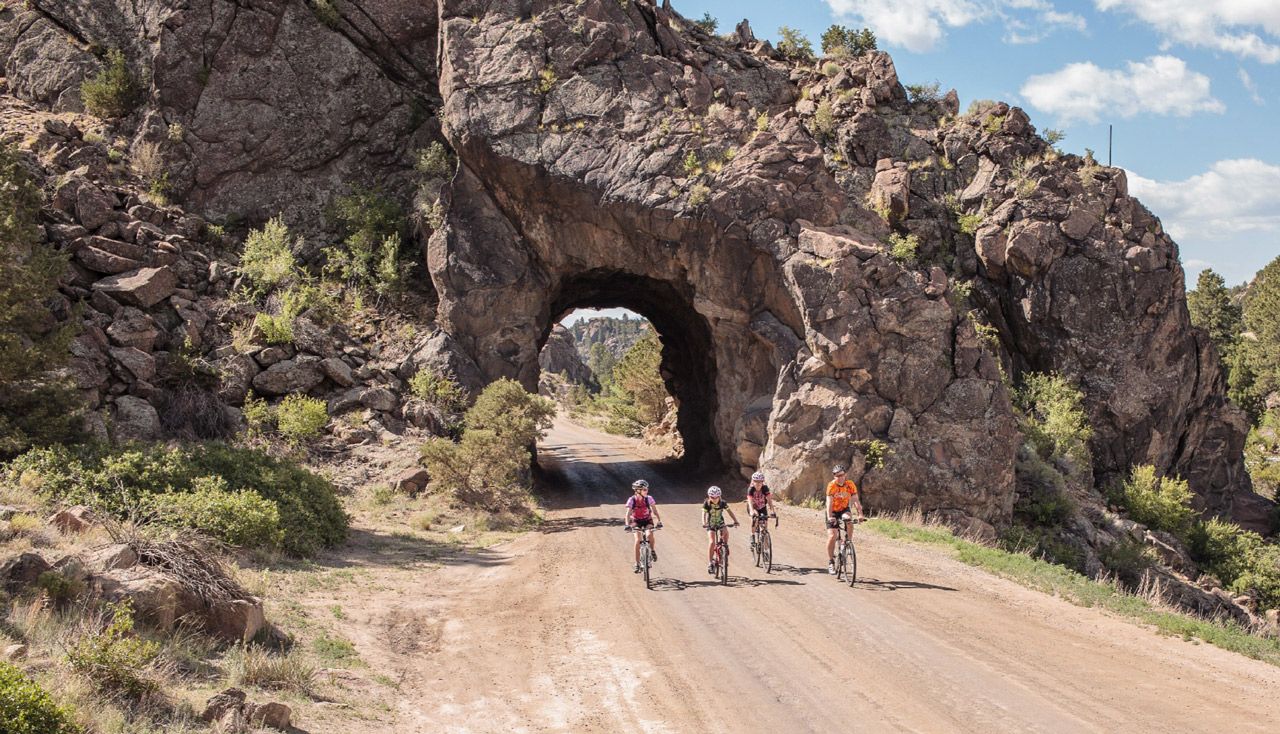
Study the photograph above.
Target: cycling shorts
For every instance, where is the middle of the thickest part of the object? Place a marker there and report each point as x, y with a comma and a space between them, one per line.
645, 523
834, 522
716, 526
763, 513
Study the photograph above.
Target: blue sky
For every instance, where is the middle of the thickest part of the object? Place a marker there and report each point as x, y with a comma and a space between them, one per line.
1191, 87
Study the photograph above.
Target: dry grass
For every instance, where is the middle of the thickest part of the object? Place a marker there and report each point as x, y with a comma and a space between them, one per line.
251, 665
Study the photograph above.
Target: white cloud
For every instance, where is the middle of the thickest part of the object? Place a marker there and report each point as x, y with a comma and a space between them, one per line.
1160, 85
1233, 197
920, 25
1251, 87
1226, 25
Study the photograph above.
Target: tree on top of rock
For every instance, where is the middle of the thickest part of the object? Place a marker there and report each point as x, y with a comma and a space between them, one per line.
1212, 309
840, 40
1262, 327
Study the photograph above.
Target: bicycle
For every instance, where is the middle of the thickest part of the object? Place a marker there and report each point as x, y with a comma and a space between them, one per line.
720, 561
846, 559
646, 552
762, 544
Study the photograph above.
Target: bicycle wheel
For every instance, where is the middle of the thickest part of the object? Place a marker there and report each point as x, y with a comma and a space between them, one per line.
724, 563
646, 559
840, 566
766, 551
852, 562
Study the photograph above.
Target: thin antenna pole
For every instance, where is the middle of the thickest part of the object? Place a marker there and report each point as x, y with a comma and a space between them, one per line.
1109, 146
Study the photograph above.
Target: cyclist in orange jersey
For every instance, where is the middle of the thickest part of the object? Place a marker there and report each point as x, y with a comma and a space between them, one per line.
841, 493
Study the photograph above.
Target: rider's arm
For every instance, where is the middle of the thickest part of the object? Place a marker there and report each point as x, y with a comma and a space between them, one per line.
828, 511
858, 504
656, 515
729, 510
627, 520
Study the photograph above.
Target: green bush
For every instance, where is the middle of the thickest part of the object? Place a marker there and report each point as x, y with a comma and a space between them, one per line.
59, 588
438, 391
488, 467
708, 23
35, 408
1127, 559
112, 92
969, 223
1241, 559
1162, 503
1053, 419
924, 93
275, 329
119, 479
116, 661
794, 46
434, 161
300, 418
824, 121
840, 40
25, 707
904, 249
369, 253
268, 259
244, 519
258, 416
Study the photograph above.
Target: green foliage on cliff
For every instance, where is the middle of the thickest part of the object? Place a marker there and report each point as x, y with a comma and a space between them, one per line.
1053, 420
368, 257
35, 408
112, 92
794, 46
840, 40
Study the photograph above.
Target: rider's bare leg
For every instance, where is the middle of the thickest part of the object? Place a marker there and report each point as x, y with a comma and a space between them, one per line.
831, 544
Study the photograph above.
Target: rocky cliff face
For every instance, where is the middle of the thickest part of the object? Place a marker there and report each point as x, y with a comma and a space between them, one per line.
560, 355
762, 216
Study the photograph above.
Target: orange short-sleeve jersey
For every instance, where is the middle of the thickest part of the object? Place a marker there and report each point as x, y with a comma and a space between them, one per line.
840, 494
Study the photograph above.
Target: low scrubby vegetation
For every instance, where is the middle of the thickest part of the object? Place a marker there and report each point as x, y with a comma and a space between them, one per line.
137, 481
26, 708
112, 92
36, 407
488, 468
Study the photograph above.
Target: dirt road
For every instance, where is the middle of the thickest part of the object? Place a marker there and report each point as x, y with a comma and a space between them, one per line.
554, 633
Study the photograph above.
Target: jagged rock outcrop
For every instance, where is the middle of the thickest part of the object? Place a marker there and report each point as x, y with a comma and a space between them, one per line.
560, 356
816, 252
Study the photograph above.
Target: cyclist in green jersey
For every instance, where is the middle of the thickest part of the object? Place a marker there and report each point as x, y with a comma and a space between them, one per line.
713, 520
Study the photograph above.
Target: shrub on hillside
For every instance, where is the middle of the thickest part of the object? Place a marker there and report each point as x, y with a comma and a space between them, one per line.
120, 479
35, 408
438, 391
1241, 559
794, 46
488, 467
112, 92
26, 708
300, 418
244, 518
369, 253
1162, 503
840, 40
1053, 421
116, 661
904, 249
268, 259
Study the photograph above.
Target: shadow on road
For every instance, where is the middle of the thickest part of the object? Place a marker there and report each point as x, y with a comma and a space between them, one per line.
565, 524
668, 584
896, 585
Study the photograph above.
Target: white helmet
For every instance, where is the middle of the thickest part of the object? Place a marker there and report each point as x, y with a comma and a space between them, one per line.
757, 477
713, 492
639, 484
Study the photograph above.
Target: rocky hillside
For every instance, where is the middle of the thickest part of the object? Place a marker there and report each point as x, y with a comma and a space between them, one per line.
831, 265
616, 336
560, 356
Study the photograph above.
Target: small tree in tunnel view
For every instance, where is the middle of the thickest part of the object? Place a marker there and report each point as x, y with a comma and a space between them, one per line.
489, 467
637, 377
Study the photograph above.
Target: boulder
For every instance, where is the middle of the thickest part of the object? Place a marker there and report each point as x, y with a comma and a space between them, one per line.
15, 652
217, 706
144, 287
73, 519
237, 373
101, 261
311, 338
133, 328
337, 371
159, 601
237, 620
412, 481
289, 376
273, 714
380, 399
135, 420
109, 558
140, 365
21, 571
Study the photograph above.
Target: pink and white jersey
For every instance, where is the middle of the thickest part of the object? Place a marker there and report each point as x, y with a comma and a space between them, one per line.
640, 510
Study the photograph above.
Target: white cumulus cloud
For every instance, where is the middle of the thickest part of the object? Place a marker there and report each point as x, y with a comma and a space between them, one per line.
1160, 85
1234, 196
920, 25
1246, 28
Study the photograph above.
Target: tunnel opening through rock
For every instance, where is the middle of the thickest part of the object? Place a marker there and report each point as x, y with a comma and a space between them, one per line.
687, 366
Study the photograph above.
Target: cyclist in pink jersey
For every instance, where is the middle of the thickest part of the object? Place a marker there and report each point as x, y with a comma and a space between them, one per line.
641, 513
759, 503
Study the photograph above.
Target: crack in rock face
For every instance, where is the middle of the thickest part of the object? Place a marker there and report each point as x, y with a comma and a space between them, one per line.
813, 248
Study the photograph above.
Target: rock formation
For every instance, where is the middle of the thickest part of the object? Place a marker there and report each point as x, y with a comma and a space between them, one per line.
560, 356
824, 259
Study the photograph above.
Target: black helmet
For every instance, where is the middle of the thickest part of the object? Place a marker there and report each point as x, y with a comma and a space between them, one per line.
838, 469
639, 484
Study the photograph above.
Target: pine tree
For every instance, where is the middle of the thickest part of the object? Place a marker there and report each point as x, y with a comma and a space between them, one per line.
1212, 310
34, 408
